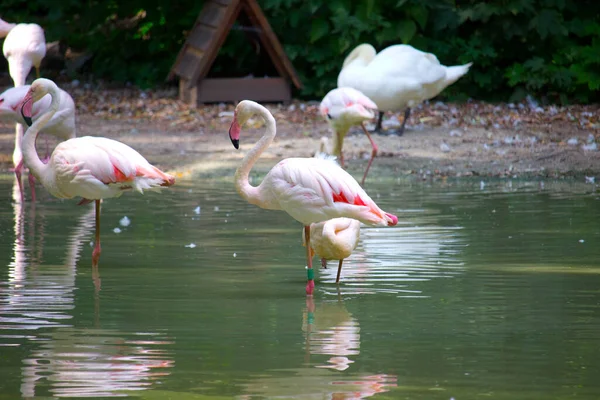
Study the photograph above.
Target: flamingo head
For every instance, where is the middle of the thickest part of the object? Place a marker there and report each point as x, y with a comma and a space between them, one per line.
10, 100
243, 112
38, 89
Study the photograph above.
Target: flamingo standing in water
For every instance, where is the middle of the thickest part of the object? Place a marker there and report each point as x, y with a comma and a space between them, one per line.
344, 108
309, 189
24, 47
334, 239
61, 125
93, 168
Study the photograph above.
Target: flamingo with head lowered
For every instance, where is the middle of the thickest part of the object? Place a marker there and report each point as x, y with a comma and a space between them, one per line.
24, 47
334, 239
309, 189
344, 108
93, 168
61, 125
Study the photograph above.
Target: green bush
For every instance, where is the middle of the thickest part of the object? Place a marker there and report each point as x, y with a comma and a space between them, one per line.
547, 48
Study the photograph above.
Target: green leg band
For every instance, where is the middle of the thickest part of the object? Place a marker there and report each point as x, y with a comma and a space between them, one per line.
310, 273
310, 318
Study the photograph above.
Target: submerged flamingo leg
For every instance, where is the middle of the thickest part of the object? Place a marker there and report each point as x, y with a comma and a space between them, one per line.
31, 179
96, 252
337, 280
18, 173
373, 153
310, 284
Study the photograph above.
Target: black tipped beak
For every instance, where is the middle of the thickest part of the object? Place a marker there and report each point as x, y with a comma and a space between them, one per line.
28, 120
236, 143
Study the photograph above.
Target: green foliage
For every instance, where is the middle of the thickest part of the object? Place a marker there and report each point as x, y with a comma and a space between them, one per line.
547, 48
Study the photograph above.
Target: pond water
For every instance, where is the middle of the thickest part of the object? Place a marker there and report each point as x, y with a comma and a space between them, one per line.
481, 291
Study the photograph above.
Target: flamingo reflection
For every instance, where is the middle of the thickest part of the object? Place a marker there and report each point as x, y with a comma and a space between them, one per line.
37, 305
330, 331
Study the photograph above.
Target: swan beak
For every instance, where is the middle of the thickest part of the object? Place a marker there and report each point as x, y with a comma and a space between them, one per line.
234, 133
26, 109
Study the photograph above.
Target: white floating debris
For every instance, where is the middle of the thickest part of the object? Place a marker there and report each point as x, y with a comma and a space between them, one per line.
590, 138
234, 255
581, 240
191, 245
117, 230
124, 221
590, 179
197, 210
482, 185
216, 208
590, 147
444, 147
226, 114
91, 244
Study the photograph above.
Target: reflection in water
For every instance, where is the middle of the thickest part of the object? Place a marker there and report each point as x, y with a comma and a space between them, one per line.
389, 260
330, 331
67, 361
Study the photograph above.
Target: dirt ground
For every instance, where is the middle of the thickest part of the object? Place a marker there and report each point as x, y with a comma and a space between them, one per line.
441, 140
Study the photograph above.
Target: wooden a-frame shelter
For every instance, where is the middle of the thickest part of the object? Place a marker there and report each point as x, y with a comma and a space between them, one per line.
202, 46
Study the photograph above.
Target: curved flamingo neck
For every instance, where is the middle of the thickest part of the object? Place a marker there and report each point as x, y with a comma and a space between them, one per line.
40, 170
252, 193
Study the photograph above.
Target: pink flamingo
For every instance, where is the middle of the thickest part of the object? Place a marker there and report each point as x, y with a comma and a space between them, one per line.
24, 47
93, 168
5, 27
344, 108
334, 239
309, 189
61, 125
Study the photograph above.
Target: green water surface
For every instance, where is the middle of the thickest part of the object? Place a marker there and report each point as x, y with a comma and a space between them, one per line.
481, 291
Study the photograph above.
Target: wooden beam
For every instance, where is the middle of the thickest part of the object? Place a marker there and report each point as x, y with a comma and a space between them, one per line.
213, 90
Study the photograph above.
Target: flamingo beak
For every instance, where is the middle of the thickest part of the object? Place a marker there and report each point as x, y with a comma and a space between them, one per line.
234, 132
27, 109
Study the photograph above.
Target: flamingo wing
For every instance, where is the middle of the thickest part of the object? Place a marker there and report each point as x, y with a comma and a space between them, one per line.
313, 190
94, 167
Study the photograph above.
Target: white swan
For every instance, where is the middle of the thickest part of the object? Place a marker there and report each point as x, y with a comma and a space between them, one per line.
400, 76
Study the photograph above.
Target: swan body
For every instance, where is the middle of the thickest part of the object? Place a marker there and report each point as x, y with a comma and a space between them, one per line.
343, 108
93, 168
24, 47
309, 189
398, 77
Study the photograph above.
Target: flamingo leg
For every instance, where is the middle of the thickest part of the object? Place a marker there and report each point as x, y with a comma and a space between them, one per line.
18, 173
31, 179
96, 252
310, 284
337, 280
323, 263
373, 153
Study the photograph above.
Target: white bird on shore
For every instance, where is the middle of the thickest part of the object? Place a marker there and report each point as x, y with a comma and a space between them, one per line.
397, 77
61, 125
24, 47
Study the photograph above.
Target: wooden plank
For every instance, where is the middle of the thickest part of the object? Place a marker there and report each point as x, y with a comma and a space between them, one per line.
201, 37
213, 90
220, 35
212, 14
187, 64
271, 43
